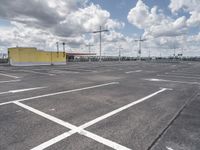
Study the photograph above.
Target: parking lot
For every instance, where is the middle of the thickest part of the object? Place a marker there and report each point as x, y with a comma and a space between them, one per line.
101, 106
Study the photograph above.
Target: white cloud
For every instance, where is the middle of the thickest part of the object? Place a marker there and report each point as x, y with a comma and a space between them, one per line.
43, 23
61, 17
154, 22
186, 5
167, 28
190, 6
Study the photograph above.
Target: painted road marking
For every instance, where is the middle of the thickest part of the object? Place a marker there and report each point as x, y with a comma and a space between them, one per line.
122, 108
9, 81
22, 90
80, 69
173, 81
133, 71
7, 75
73, 129
59, 93
169, 148
61, 71
178, 76
90, 123
184, 74
35, 72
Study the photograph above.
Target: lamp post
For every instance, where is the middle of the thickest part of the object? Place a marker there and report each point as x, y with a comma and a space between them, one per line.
100, 36
120, 53
140, 40
89, 46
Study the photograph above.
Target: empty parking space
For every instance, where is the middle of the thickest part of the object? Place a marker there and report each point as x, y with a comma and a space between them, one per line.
21, 129
127, 105
91, 103
77, 141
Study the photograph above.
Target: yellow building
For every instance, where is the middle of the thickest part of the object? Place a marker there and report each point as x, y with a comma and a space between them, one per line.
27, 56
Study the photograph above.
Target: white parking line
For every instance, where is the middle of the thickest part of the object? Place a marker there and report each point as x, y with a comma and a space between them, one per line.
59, 93
90, 123
22, 90
122, 108
178, 76
173, 81
81, 69
9, 81
35, 72
54, 140
133, 71
184, 74
7, 75
73, 128
61, 71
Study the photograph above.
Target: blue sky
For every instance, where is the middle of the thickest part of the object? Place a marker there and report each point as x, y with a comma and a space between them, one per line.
119, 9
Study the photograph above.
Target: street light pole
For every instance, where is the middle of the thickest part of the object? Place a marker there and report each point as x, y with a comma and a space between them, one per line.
89, 46
63, 49
140, 46
100, 36
63, 46
57, 43
120, 53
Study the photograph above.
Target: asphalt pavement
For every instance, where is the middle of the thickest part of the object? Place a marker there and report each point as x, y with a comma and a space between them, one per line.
101, 105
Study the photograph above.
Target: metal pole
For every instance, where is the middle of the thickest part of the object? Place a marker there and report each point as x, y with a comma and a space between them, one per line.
63, 49
149, 54
140, 46
100, 44
100, 36
51, 59
89, 53
89, 47
57, 48
120, 53
139, 49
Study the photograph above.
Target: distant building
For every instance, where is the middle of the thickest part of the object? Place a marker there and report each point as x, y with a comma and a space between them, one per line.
27, 56
30, 56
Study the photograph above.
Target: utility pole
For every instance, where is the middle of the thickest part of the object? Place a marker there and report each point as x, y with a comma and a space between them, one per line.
149, 54
63, 46
120, 53
140, 46
89, 46
57, 43
63, 49
100, 32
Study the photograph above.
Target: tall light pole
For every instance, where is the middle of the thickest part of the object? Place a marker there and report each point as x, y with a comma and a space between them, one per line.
63, 49
120, 53
89, 46
57, 44
149, 54
140, 40
63, 46
100, 32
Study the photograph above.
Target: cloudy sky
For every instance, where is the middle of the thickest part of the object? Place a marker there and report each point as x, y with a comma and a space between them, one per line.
165, 24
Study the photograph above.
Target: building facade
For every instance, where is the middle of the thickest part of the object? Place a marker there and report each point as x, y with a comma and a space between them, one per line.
27, 56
